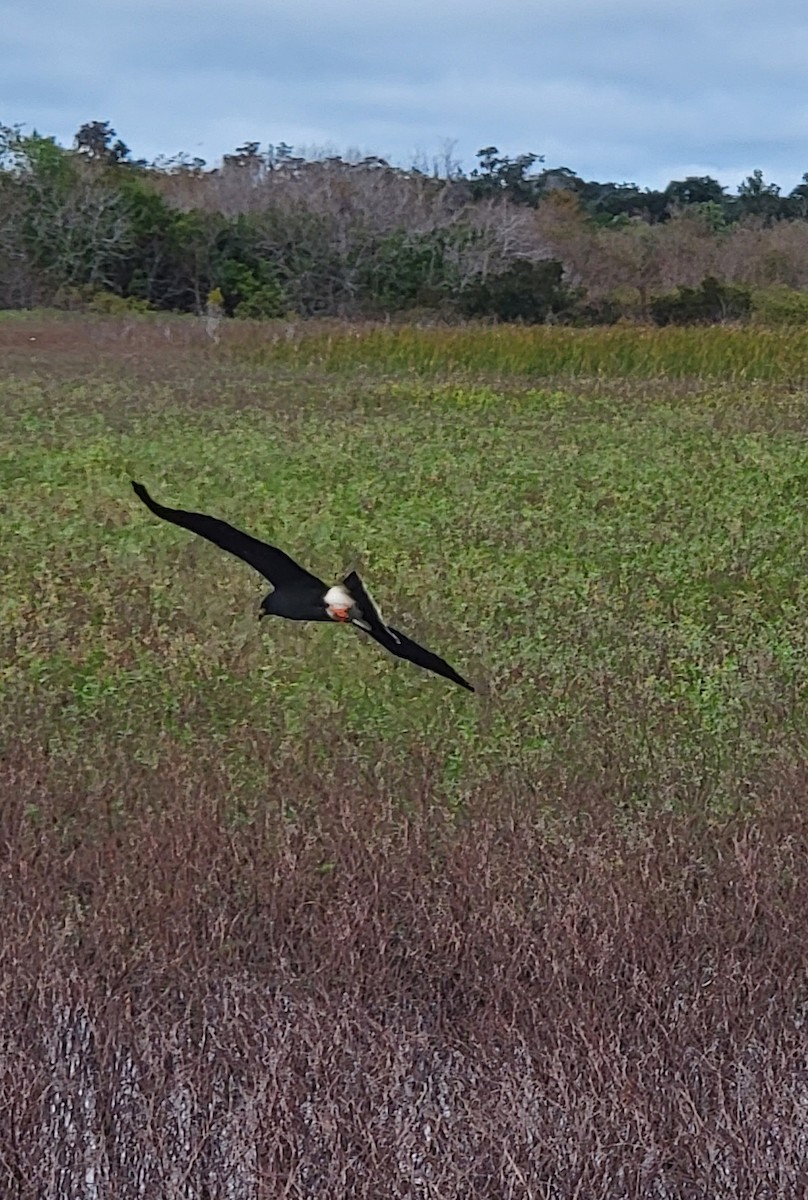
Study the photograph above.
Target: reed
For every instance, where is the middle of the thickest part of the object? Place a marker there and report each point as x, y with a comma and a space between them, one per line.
731, 354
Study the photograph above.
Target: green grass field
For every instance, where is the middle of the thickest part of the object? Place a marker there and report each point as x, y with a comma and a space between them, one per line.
618, 565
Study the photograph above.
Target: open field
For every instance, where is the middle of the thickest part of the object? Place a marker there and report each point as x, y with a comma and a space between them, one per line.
312, 919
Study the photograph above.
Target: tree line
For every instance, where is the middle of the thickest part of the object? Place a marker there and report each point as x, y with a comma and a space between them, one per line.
270, 232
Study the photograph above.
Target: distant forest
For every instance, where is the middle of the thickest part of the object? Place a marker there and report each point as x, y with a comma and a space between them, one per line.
271, 233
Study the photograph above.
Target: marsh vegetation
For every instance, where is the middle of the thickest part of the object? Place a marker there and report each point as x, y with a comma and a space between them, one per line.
282, 915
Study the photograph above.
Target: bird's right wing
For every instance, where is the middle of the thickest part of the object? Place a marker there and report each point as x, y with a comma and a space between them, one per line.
272, 563
372, 620
396, 642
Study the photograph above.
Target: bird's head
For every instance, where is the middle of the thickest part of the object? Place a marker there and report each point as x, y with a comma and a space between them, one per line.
339, 602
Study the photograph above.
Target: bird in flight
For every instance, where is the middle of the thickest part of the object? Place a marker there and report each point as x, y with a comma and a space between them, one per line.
300, 596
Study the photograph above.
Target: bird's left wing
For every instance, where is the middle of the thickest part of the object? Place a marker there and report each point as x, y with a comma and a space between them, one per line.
272, 563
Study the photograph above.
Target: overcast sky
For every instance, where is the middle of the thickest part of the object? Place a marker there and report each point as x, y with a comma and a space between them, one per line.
627, 90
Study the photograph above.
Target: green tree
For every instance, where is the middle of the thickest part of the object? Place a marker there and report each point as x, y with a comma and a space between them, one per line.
170, 262
100, 143
498, 175
758, 198
404, 269
616, 203
798, 198
695, 189
711, 301
74, 228
524, 291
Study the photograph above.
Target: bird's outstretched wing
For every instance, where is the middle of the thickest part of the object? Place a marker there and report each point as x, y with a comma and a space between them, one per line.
273, 564
399, 644
392, 639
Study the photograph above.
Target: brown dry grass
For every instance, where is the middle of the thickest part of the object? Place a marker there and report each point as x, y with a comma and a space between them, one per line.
347, 995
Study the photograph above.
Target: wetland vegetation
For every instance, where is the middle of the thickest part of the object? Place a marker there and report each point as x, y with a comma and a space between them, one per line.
304, 917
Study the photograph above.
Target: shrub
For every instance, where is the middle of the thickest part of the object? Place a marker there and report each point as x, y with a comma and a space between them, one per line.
524, 291
780, 305
408, 270
711, 301
110, 304
252, 292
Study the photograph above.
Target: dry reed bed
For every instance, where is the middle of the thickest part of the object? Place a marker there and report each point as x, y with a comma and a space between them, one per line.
625, 351
370, 997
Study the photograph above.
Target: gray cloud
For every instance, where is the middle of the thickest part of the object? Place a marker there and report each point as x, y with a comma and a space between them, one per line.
615, 89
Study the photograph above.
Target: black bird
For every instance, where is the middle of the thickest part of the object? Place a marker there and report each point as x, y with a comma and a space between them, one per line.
300, 596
